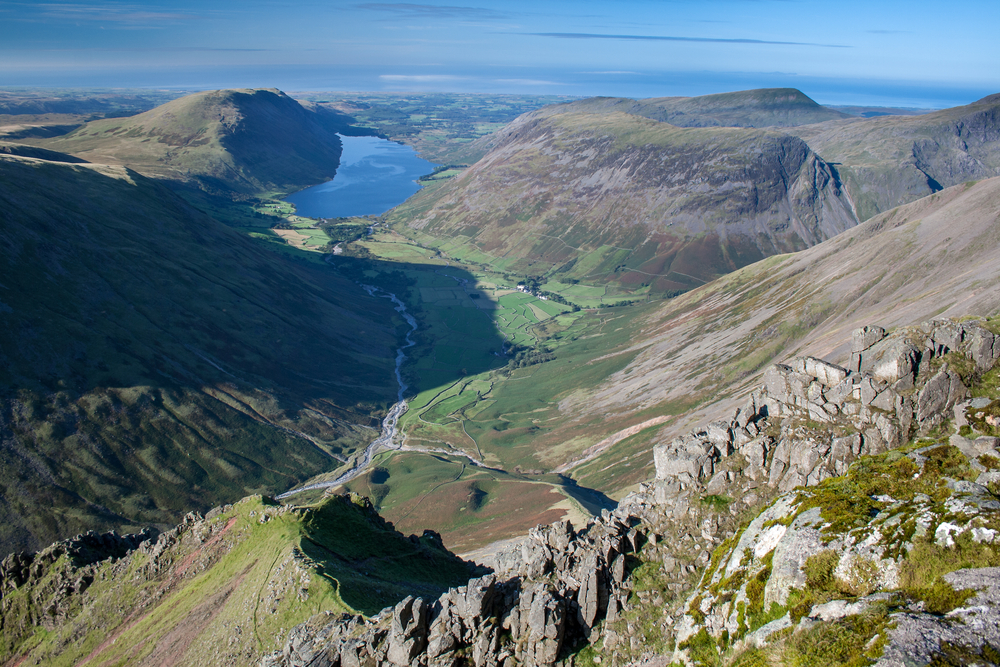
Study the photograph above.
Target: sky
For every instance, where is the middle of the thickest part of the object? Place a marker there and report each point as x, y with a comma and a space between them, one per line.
872, 52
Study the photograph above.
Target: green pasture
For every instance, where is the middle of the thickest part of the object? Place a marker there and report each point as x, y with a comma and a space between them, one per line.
487, 374
317, 237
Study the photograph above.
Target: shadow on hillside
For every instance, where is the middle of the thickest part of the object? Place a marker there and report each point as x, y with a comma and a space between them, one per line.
186, 355
455, 336
373, 565
592, 500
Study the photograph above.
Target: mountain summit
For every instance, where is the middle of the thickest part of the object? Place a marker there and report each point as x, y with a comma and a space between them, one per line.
246, 140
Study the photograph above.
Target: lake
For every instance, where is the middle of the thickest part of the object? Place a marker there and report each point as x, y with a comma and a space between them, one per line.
374, 176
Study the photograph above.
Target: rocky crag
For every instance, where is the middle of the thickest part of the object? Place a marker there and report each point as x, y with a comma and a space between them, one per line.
218, 589
872, 517
839, 516
891, 160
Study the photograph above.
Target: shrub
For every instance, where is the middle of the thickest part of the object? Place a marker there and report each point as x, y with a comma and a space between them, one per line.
819, 570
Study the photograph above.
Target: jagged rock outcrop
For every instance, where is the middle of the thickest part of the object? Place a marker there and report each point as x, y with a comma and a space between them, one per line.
62, 571
832, 498
840, 540
826, 554
549, 591
811, 419
221, 589
874, 541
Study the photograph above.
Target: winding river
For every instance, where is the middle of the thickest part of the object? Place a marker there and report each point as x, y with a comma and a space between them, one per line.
387, 438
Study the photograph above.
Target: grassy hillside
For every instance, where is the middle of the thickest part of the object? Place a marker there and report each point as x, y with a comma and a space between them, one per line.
892, 160
154, 361
247, 141
218, 591
615, 198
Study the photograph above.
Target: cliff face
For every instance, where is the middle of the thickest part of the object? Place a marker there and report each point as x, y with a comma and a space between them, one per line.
617, 197
892, 160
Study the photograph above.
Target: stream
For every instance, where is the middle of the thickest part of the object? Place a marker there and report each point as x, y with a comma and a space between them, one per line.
386, 439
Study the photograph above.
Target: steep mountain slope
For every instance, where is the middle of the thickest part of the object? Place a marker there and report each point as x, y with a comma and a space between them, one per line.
219, 590
154, 361
615, 197
653, 371
886, 551
245, 140
892, 160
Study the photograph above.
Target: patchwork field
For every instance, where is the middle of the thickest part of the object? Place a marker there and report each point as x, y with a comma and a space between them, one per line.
486, 376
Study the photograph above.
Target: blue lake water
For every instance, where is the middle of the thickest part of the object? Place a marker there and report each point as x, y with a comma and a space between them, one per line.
374, 176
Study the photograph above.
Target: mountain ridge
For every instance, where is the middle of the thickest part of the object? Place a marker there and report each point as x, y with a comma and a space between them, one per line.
587, 186
888, 161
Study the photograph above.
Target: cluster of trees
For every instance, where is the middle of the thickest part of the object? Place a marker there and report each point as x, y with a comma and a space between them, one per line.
437, 170
522, 356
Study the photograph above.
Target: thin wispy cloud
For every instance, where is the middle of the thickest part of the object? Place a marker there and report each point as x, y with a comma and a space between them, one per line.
151, 49
131, 15
529, 82
413, 10
421, 78
669, 38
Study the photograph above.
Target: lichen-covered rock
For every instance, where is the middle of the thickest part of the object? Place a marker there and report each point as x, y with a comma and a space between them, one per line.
971, 632
408, 633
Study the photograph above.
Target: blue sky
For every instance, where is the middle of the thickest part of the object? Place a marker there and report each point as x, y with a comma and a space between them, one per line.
888, 53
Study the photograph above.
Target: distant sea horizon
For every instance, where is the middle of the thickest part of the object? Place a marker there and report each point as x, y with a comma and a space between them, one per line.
316, 78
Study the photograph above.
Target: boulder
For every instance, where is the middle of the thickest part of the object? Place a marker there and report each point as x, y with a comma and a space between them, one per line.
892, 360
686, 456
408, 633
802, 540
826, 373
720, 435
786, 385
445, 631
865, 337
940, 393
592, 598
543, 624
983, 347
946, 336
